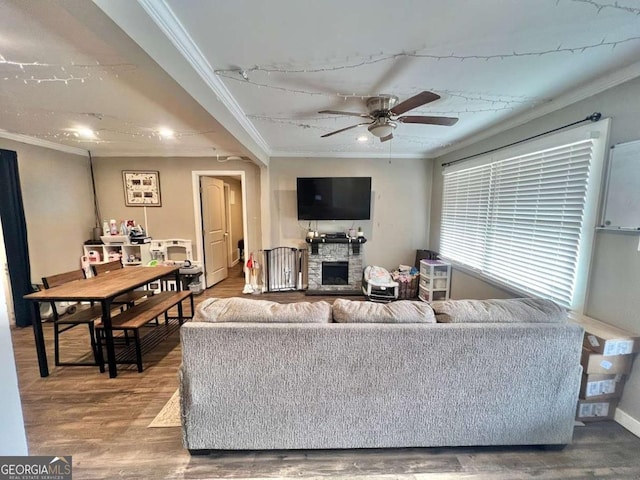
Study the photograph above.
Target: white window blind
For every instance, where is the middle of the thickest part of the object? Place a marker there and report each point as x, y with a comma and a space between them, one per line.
465, 215
520, 220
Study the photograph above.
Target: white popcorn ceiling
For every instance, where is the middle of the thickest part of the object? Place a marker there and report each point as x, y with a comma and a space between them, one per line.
242, 77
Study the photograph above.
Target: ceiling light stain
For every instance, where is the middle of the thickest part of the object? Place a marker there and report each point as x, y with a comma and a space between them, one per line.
166, 133
84, 132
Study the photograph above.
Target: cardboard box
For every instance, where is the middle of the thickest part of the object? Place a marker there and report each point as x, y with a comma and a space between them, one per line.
594, 410
600, 387
606, 339
595, 363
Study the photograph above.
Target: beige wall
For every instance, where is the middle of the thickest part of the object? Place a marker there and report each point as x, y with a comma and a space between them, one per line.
58, 206
175, 218
615, 270
401, 192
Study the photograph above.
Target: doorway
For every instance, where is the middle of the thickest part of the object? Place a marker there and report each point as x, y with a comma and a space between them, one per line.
220, 210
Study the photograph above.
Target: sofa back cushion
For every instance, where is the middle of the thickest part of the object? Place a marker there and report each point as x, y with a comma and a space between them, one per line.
239, 309
403, 311
512, 310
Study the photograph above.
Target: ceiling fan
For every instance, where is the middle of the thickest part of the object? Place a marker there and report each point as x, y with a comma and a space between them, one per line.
384, 111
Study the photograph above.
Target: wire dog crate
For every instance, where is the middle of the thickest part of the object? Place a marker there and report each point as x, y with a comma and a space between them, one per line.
284, 269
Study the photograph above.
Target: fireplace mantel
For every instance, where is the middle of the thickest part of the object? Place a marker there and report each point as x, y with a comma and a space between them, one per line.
336, 240
355, 243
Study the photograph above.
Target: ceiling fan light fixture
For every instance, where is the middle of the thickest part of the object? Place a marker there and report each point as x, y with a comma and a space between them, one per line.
385, 111
382, 129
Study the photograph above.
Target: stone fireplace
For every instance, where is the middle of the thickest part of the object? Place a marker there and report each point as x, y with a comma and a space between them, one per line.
335, 266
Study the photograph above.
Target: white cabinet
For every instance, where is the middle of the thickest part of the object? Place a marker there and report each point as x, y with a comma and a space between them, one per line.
435, 280
128, 253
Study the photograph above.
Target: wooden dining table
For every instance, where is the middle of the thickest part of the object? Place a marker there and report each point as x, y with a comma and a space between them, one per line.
103, 289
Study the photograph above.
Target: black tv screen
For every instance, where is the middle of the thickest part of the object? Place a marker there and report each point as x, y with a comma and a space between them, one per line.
334, 198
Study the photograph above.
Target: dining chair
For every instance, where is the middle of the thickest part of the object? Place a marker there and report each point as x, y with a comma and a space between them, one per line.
85, 315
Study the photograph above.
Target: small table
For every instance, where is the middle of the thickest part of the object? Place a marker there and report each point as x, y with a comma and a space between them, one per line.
103, 289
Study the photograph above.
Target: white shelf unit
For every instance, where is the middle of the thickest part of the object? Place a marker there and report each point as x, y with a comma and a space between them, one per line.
128, 253
435, 280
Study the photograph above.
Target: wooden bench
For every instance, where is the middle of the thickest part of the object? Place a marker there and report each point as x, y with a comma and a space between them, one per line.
136, 317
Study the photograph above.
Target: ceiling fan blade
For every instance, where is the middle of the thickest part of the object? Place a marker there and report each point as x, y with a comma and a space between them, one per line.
416, 101
396, 70
343, 130
446, 121
388, 137
351, 114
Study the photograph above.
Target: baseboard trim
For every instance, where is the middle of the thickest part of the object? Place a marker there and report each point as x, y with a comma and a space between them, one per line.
335, 293
627, 421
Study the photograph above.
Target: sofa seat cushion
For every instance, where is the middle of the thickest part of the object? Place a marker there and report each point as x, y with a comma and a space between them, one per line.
512, 310
403, 311
239, 309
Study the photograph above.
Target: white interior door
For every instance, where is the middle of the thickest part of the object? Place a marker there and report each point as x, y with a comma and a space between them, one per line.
214, 224
227, 209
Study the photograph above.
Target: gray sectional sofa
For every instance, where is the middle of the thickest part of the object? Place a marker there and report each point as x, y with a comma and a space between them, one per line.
501, 372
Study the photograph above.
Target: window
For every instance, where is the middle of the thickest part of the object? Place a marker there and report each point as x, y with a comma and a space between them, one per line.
524, 218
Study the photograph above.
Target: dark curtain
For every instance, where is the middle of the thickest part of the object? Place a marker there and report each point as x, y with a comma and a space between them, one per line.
14, 228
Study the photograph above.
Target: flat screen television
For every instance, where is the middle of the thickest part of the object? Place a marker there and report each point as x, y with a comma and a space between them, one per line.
334, 198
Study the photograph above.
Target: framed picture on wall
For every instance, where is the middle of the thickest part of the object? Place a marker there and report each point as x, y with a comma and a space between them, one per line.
141, 189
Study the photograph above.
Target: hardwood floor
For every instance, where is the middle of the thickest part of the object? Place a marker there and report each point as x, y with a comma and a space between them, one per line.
102, 423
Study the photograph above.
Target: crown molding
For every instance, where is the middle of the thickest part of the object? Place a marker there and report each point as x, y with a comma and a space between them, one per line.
38, 142
169, 24
192, 153
597, 86
348, 155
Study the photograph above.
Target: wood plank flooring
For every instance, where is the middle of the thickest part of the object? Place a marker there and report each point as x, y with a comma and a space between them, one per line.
102, 423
